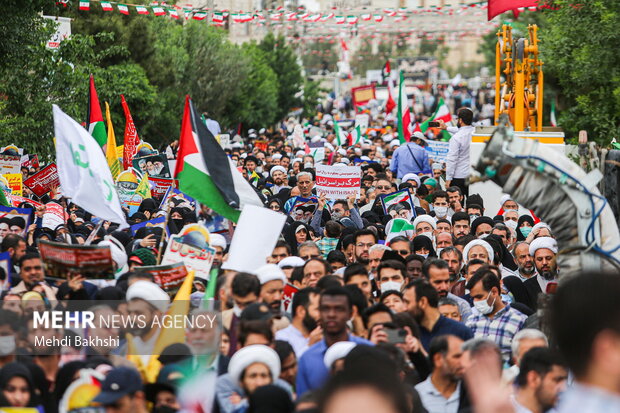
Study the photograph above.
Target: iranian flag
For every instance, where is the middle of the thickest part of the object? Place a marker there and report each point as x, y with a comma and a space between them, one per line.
200, 15
122, 8
275, 16
159, 11
404, 114
106, 6
226, 192
340, 19
352, 19
218, 17
552, 118
378, 18
390, 104
94, 117
355, 136
173, 13
142, 10
291, 16
340, 135
131, 137
366, 16
85, 5
442, 112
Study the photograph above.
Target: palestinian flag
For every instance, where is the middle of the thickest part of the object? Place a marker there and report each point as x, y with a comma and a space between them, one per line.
111, 153
94, 118
225, 191
84, 4
106, 6
404, 114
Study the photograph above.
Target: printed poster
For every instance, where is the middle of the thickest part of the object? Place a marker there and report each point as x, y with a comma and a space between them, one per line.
338, 182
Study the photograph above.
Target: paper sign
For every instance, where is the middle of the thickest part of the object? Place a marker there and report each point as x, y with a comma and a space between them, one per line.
53, 216
31, 162
256, 235
224, 140
17, 201
362, 120
159, 186
10, 164
175, 193
303, 209
191, 247
157, 223
15, 183
317, 150
168, 277
91, 261
43, 181
338, 182
155, 165
12, 150
63, 31
14, 220
437, 150
399, 204
261, 145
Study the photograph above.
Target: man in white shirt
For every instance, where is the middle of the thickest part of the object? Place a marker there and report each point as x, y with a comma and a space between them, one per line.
303, 330
457, 162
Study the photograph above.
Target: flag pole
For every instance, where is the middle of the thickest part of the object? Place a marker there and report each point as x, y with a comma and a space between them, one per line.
94, 232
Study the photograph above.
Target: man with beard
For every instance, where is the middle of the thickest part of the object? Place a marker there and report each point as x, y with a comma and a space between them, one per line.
146, 303
422, 303
454, 258
303, 331
364, 239
279, 178
218, 243
437, 272
441, 391
541, 379
33, 277
272, 282
202, 337
543, 250
524, 260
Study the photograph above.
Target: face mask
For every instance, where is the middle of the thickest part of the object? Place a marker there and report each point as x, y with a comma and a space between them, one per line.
429, 235
259, 169
441, 211
337, 215
308, 165
511, 224
390, 285
237, 311
473, 217
423, 255
483, 307
7, 345
525, 231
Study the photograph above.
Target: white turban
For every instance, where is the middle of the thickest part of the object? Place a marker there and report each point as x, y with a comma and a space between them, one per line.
481, 243
337, 351
425, 218
149, 292
277, 168
342, 152
504, 198
217, 240
412, 177
119, 256
541, 225
291, 261
270, 272
276, 156
543, 242
256, 353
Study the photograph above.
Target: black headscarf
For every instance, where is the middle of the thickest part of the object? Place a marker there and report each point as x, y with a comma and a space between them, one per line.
289, 235
522, 219
422, 241
501, 252
64, 377
270, 399
16, 369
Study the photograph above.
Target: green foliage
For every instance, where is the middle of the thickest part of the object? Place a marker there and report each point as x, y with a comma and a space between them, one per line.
283, 62
579, 47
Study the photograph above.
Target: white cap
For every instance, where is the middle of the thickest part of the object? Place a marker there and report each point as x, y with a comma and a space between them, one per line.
425, 218
217, 240
276, 156
337, 351
149, 292
256, 353
277, 168
543, 242
292, 261
481, 243
412, 177
119, 255
270, 272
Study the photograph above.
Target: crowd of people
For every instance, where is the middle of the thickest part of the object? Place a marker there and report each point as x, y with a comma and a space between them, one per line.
440, 305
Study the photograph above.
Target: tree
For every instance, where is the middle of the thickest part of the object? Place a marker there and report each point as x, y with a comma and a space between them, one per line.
283, 62
578, 46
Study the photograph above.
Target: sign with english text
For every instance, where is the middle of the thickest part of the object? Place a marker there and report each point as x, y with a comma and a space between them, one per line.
338, 182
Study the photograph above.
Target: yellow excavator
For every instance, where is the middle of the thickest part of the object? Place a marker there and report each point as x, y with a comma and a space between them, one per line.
520, 95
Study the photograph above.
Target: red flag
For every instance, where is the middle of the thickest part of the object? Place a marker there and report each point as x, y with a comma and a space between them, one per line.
500, 6
131, 137
187, 144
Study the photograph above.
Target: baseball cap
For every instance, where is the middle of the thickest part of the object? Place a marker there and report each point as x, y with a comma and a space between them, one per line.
119, 382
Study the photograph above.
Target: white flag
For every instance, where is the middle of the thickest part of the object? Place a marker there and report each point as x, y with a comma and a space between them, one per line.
83, 171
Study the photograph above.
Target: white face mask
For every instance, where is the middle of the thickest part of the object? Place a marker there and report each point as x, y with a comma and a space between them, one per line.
441, 211
472, 218
511, 224
483, 306
390, 285
237, 311
423, 255
429, 235
7, 345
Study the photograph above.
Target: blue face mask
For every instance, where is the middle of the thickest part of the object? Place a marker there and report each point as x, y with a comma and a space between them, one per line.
525, 231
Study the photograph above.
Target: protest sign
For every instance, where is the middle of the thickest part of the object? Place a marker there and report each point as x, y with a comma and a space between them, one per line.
155, 165
91, 261
14, 182
317, 151
398, 204
153, 223
43, 181
338, 182
32, 161
53, 216
159, 186
191, 247
12, 149
224, 140
245, 253
5, 264
177, 194
362, 120
10, 164
261, 145
15, 220
437, 150
63, 31
16, 201
168, 277
303, 209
